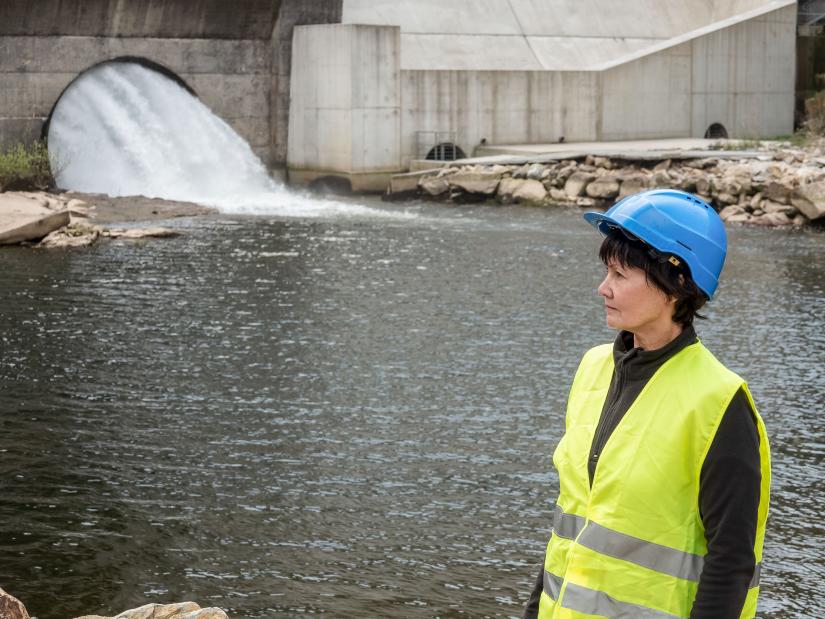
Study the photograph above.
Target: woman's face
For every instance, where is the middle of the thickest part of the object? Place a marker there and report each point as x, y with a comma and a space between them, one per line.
631, 302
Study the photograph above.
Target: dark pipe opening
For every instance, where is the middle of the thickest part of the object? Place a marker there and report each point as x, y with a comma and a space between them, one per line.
716, 131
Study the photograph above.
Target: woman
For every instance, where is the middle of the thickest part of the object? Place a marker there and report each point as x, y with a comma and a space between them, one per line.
664, 468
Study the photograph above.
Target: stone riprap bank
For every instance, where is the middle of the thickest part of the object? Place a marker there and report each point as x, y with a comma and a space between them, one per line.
778, 187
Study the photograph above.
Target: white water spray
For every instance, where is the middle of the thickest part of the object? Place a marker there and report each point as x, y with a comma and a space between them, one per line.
122, 129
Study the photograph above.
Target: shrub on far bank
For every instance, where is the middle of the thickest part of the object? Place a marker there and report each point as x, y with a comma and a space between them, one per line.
25, 167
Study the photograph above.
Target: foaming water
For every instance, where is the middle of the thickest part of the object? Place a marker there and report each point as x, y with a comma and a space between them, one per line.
122, 129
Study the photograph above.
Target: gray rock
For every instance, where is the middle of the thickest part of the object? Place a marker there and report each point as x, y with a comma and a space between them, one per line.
521, 171
586, 202
11, 607
530, 191
604, 187
731, 211
772, 219
558, 195
769, 206
535, 172
434, 186
703, 185
633, 183
810, 199
483, 183
577, 183
726, 198
778, 192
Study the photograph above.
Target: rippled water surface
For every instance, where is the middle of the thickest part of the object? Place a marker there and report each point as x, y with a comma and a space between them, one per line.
350, 416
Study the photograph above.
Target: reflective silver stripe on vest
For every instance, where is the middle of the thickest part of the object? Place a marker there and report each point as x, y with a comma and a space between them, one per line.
592, 602
552, 584
757, 572
566, 525
663, 559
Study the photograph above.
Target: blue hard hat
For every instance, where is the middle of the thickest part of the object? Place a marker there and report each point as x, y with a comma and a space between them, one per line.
676, 223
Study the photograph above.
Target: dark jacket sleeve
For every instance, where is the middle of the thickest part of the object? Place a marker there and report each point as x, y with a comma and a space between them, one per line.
531, 609
729, 488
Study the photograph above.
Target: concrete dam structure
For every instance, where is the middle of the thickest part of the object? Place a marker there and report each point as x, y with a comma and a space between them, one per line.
360, 88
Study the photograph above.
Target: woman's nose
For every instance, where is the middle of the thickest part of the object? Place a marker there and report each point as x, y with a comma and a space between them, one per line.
604, 289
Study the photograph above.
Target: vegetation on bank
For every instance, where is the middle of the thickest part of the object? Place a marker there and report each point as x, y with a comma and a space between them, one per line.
25, 167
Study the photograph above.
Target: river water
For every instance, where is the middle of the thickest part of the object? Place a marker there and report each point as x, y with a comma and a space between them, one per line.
349, 415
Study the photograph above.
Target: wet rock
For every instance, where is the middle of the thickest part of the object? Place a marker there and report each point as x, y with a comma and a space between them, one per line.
810, 200
800, 220
586, 202
140, 233
603, 187
183, 610
74, 235
434, 186
11, 607
481, 183
577, 183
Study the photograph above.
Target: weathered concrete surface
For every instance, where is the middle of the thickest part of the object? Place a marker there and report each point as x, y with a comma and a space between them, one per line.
345, 104
519, 35
234, 55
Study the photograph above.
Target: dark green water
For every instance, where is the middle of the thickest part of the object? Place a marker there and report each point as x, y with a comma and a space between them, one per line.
350, 416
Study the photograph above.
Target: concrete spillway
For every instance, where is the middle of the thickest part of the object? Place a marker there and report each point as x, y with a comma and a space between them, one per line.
123, 129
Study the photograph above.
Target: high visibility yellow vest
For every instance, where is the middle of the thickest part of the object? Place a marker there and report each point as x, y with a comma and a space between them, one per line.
632, 546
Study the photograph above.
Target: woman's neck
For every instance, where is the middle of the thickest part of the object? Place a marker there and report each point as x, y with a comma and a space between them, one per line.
656, 336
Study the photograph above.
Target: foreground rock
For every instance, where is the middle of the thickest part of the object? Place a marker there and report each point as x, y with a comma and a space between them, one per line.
26, 218
183, 610
11, 607
82, 234
779, 186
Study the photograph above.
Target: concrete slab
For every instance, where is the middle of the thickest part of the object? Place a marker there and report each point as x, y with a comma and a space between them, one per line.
637, 150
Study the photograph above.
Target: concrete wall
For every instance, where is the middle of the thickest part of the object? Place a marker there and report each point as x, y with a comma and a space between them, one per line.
344, 116
291, 13
503, 107
741, 76
232, 77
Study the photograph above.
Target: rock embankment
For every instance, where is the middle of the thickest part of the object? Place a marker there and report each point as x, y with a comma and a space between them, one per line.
784, 187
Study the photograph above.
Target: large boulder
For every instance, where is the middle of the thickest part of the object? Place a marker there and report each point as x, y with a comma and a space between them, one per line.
577, 184
633, 183
604, 187
810, 199
778, 192
530, 191
434, 186
482, 183
11, 607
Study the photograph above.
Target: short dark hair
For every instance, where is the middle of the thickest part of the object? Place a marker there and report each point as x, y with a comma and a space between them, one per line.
659, 271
